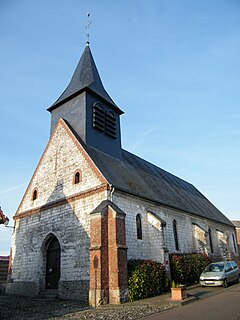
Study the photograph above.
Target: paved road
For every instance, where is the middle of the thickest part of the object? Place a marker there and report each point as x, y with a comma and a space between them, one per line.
222, 306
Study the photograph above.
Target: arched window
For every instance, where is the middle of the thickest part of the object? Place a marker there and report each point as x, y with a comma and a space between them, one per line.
210, 239
175, 234
35, 194
234, 243
77, 177
139, 226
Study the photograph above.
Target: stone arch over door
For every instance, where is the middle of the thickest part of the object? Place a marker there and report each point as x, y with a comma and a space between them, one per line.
52, 262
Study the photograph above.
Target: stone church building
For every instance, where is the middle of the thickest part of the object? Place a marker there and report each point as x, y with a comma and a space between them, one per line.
91, 205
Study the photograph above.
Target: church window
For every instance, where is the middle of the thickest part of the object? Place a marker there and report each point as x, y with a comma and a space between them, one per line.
77, 177
98, 117
234, 243
210, 239
110, 124
104, 121
139, 226
175, 234
35, 194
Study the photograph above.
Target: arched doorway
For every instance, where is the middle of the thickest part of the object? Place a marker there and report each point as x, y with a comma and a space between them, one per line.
53, 255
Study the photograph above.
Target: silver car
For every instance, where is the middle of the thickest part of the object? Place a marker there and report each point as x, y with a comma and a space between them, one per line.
220, 274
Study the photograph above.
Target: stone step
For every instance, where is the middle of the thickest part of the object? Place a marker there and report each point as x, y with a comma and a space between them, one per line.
49, 294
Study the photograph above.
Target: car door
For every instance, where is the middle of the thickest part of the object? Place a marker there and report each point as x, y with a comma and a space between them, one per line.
229, 272
235, 271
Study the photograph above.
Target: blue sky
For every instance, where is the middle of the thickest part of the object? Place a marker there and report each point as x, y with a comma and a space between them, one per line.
172, 66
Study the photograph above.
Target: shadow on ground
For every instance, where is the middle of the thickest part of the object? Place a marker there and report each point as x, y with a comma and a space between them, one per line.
17, 308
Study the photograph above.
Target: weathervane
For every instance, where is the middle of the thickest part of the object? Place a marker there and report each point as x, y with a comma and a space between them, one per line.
89, 22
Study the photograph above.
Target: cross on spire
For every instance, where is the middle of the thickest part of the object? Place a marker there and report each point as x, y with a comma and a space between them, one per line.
89, 22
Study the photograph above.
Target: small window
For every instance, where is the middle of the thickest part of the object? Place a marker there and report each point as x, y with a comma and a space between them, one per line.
210, 239
35, 194
234, 265
228, 267
77, 177
175, 234
139, 226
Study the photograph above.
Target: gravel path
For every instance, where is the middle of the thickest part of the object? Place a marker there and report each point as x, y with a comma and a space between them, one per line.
15, 308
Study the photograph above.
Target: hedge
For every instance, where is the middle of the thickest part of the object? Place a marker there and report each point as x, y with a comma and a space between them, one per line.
187, 267
146, 278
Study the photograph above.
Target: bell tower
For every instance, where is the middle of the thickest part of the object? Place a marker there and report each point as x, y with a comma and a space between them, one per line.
88, 108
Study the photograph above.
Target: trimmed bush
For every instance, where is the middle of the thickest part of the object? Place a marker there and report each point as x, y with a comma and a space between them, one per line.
187, 267
146, 278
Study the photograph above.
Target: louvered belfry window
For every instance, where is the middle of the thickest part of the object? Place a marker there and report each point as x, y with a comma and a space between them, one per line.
104, 121
98, 117
110, 124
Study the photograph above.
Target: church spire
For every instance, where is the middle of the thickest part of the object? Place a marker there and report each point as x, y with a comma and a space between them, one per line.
88, 109
85, 77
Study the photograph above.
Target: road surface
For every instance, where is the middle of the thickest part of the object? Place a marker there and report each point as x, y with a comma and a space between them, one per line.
222, 306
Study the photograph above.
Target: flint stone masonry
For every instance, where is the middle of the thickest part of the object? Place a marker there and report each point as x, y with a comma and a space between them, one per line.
68, 222
156, 240
53, 177
74, 290
72, 231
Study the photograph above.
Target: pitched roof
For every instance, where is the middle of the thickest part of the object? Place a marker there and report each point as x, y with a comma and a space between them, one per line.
104, 204
141, 178
85, 76
236, 223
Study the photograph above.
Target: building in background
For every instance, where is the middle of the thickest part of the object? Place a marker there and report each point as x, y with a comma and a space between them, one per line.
4, 263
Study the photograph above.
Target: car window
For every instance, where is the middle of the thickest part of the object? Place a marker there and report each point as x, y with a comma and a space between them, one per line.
216, 267
228, 267
234, 264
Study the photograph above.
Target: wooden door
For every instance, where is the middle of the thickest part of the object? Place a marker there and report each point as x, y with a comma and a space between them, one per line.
53, 264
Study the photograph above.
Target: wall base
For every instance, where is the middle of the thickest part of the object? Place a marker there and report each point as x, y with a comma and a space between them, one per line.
27, 289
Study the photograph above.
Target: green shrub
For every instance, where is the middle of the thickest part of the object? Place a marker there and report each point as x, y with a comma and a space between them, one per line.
146, 278
187, 267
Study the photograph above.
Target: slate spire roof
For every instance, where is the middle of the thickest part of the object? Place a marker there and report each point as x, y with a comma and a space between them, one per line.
85, 77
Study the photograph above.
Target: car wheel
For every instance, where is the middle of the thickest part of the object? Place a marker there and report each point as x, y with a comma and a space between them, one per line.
225, 283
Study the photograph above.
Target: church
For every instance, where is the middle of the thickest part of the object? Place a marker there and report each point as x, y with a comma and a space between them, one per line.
91, 205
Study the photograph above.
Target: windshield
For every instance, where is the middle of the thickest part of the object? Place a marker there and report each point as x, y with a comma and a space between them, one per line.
214, 267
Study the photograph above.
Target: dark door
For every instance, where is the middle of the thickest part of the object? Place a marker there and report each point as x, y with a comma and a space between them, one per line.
53, 264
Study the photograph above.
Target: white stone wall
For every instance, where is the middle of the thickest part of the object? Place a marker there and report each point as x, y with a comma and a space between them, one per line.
54, 175
68, 219
189, 236
200, 240
70, 223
